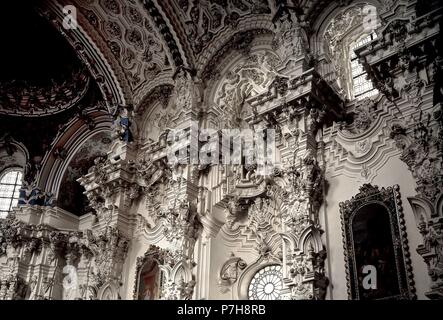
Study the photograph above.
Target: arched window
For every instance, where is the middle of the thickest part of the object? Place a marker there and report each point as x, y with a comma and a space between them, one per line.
10, 183
361, 87
347, 31
266, 284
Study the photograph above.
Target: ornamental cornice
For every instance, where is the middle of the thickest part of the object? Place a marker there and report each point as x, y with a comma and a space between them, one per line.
401, 35
308, 91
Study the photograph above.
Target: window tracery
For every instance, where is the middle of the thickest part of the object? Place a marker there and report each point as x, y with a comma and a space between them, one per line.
266, 284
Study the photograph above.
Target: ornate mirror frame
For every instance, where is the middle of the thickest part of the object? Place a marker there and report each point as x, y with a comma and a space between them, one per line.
390, 199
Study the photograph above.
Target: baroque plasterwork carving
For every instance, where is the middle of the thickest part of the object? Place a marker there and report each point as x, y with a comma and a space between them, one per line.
23, 244
103, 181
244, 80
264, 223
360, 149
340, 26
138, 49
157, 115
300, 195
240, 43
399, 65
422, 152
243, 240
99, 255
336, 45
178, 280
90, 47
181, 227
287, 213
12, 153
109, 248
169, 108
396, 60
282, 208
290, 40
428, 217
204, 20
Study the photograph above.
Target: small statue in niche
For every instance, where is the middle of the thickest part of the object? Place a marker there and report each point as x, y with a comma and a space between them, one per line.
33, 288
122, 125
434, 239
184, 90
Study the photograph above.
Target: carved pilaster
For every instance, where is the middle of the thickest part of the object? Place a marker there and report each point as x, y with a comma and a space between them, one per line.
181, 226
108, 248
423, 153
304, 253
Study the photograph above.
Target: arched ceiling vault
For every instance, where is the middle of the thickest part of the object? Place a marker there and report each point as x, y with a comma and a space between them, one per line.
203, 27
122, 41
139, 44
93, 51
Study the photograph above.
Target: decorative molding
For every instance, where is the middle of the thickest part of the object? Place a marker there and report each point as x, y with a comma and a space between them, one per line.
230, 271
389, 199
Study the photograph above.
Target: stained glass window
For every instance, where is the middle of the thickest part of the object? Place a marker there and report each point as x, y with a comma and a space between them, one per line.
362, 87
10, 183
266, 284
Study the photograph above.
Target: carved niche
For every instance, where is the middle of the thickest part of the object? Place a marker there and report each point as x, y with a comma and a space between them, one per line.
148, 276
374, 234
154, 280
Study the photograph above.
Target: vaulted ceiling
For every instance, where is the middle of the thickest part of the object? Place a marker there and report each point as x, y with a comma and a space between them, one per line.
133, 46
40, 73
56, 79
121, 52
